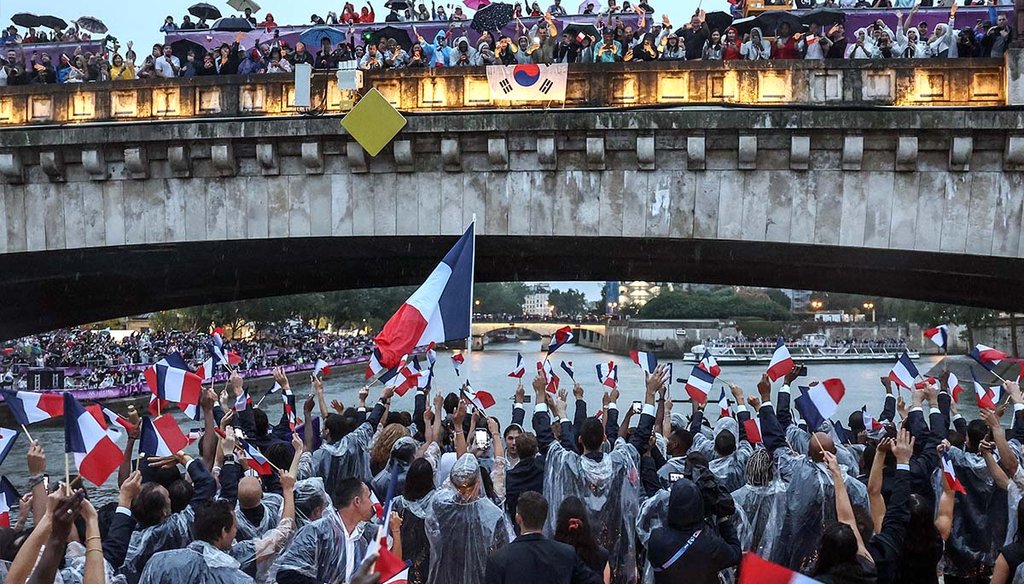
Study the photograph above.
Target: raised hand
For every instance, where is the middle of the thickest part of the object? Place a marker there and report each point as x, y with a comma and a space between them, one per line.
614, 395
227, 443
130, 488
903, 446
36, 458
337, 406
287, 480
520, 392
577, 391
764, 388
235, 383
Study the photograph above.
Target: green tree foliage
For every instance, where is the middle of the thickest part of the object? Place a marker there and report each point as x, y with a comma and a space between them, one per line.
720, 304
500, 297
779, 297
571, 302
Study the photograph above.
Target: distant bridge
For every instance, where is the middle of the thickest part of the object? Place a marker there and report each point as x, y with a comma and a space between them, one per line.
588, 334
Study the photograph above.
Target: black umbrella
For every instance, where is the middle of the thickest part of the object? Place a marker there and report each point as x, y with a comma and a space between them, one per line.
397, 5
53, 22
181, 48
574, 29
400, 36
825, 17
26, 19
718, 21
204, 11
769, 22
92, 24
232, 24
492, 17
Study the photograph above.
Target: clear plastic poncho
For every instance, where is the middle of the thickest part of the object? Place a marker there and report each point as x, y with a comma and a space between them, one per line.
464, 527
318, 550
347, 458
415, 545
309, 494
653, 513
980, 518
174, 533
73, 571
199, 563
609, 486
762, 512
810, 507
272, 505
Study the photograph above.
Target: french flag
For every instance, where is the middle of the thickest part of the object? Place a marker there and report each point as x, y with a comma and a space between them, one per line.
425, 365
321, 369
904, 372
561, 337
161, 436
567, 367
987, 356
243, 401
870, 423
438, 311
698, 385
754, 570
954, 387
752, 427
987, 397
938, 335
709, 364
257, 461
608, 374
217, 360
481, 400
7, 438
391, 568
781, 363
820, 402
113, 418
376, 368
723, 405
520, 369
170, 379
950, 474
9, 497
288, 398
408, 376
457, 360
28, 407
552, 378
96, 455
646, 361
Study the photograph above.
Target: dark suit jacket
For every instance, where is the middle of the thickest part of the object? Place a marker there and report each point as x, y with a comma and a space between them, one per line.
535, 559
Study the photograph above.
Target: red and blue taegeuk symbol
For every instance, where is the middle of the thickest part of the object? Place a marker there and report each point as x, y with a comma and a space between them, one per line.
526, 75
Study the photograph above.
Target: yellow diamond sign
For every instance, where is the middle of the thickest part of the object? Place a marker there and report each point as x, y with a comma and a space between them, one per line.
373, 122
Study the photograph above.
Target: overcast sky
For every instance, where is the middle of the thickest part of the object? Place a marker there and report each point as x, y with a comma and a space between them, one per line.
141, 22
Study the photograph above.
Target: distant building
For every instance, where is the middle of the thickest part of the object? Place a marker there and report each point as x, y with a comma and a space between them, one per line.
799, 300
536, 302
639, 293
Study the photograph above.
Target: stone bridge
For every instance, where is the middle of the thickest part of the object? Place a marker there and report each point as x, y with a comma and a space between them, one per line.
141, 196
586, 333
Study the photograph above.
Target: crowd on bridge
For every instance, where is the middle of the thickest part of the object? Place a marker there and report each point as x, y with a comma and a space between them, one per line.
96, 358
623, 33
593, 492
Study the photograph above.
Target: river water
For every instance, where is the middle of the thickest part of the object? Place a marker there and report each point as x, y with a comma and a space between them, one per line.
488, 370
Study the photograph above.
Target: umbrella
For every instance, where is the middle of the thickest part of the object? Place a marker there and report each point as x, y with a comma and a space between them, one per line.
232, 24
583, 6
53, 22
574, 29
770, 21
312, 37
824, 16
397, 5
389, 32
492, 17
92, 24
181, 48
718, 21
204, 11
476, 4
241, 5
742, 25
26, 20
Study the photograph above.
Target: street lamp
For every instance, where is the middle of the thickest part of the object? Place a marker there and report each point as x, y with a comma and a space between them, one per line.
816, 304
870, 306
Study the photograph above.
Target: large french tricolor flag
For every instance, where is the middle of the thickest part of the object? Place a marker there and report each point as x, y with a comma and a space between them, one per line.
754, 570
781, 363
647, 361
987, 356
170, 379
561, 337
9, 497
28, 407
96, 455
938, 335
949, 473
904, 373
161, 436
820, 402
698, 385
438, 311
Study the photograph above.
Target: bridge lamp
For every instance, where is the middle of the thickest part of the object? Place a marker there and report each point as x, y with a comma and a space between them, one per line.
817, 304
870, 306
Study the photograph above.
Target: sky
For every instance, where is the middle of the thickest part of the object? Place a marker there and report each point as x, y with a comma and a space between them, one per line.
141, 22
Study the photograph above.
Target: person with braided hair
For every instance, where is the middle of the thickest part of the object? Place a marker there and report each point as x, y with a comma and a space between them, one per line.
761, 502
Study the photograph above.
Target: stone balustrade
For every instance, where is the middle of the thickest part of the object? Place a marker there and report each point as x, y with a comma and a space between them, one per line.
837, 84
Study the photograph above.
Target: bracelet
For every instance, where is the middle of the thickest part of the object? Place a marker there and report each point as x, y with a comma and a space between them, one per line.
36, 479
99, 551
93, 537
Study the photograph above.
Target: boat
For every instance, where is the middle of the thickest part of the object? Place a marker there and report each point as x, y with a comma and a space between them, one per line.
132, 390
812, 348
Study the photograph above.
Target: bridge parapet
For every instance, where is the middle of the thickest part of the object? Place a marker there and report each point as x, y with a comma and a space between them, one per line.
840, 83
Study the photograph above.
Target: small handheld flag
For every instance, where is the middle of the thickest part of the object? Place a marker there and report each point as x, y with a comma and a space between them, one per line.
567, 367
321, 369
256, 460
987, 397
754, 570
480, 399
698, 385
9, 497
987, 357
608, 374
709, 364
781, 363
904, 372
752, 427
820, 402
938, 335
553, 380
559, 338
520, 369
950, 475
161, 436
96, 455
28, 407
647, 362
723, 405
457, 360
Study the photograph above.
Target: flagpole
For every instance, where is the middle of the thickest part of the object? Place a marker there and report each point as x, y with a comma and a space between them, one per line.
24, 429
472, 286
67, 472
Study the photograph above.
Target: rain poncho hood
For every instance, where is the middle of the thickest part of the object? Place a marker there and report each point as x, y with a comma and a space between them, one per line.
761, 512
199, 563
172, 534
272, 504
346, 458
685, 506
318, 550
980, 518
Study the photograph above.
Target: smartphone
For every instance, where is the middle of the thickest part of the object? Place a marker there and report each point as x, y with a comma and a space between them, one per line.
481, 438
238, 434
527, 398
638, 407
675, 476
802, 371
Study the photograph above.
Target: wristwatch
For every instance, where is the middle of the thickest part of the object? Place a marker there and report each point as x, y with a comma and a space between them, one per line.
229, 458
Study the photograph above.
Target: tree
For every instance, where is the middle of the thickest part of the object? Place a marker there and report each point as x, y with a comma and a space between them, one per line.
500, 298
572, 302
719, 304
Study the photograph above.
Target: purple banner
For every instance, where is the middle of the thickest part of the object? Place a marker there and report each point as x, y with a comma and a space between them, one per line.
25, 52
966, 16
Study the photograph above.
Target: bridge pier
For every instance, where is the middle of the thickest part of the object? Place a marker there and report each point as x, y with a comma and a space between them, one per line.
478, 342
